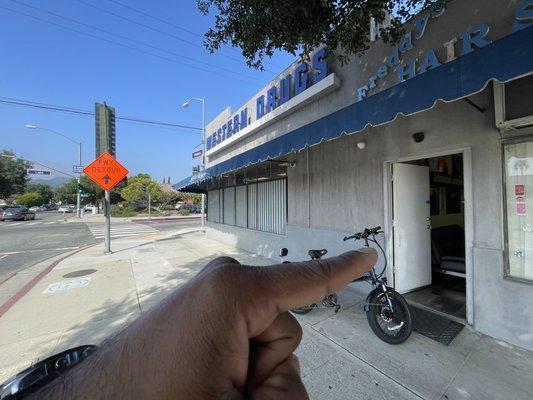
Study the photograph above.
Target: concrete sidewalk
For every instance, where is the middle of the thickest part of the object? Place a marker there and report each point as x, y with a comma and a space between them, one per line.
90, 296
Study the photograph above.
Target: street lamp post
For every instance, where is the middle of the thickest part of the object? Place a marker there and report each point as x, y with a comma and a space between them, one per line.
185, 105
78, 194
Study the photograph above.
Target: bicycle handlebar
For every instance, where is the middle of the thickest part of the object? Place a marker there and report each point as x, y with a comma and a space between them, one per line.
363, 235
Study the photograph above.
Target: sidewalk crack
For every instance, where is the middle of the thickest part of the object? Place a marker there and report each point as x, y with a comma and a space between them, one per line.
370, 365
135, 285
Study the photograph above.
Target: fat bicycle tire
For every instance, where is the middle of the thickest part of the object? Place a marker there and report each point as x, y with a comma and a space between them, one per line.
373, 314
303, 310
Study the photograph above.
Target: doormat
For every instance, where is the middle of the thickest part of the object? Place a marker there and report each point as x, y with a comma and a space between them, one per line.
435, 326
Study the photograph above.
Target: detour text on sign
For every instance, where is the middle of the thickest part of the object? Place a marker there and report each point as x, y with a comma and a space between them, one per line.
106, 171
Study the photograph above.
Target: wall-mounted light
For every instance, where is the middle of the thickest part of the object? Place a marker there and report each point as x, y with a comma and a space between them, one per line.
418, 137
361, 145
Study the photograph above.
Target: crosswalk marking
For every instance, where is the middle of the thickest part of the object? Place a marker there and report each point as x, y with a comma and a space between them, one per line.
10, 224
120, 230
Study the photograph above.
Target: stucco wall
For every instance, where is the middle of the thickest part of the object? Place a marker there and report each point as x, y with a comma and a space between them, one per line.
459, 16
346, 193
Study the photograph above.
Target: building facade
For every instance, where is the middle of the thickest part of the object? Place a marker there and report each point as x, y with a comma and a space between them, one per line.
430, 138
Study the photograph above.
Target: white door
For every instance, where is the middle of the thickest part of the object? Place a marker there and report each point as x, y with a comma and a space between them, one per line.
411, 224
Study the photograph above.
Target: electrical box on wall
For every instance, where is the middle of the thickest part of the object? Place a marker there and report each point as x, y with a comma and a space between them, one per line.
513, 105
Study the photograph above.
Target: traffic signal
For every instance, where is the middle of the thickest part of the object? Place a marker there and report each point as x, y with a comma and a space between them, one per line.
80, 188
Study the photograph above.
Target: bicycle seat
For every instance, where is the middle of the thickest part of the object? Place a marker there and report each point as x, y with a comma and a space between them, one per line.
316, 254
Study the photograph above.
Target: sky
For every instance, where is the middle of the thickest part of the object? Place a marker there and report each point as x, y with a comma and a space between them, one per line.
145, 69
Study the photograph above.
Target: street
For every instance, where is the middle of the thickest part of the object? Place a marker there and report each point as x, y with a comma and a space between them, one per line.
25, 243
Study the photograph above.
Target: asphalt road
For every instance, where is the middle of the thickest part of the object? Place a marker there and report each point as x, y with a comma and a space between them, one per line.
25, 243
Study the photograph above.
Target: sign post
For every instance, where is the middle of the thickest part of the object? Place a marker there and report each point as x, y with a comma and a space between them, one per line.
106, 172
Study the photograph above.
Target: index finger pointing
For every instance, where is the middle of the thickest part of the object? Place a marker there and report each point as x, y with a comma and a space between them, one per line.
299, 284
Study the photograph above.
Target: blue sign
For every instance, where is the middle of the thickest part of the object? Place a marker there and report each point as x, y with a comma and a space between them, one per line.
197, 153
473, 38
38, 172
302, 78
77, 169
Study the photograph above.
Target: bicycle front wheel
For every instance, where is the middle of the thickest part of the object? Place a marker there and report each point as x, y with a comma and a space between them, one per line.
303, 310
392, 326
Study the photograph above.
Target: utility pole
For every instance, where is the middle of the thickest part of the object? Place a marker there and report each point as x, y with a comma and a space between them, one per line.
185, 105
149, 205
78, 193
78, 197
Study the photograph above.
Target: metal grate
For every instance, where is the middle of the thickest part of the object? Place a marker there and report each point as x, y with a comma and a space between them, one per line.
435, 326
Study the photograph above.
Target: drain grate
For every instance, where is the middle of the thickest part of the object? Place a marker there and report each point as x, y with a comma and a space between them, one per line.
81, 272
435, 326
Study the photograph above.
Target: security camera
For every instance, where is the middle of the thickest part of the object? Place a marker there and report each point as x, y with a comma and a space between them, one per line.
292, 164
418, 137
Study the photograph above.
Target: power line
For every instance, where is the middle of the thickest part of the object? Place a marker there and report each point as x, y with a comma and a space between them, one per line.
164, 21
123, 45
71, 110
132, 21
132, 40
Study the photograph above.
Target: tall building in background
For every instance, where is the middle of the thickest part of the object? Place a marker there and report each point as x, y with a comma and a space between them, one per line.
105, 129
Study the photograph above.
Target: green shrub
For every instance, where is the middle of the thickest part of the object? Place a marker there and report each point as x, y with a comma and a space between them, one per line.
30, 199
119, 211
184, 212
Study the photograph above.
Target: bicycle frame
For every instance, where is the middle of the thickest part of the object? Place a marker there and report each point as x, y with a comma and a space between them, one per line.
377, 281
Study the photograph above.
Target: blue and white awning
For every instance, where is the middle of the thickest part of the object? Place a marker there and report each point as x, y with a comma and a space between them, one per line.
503, 60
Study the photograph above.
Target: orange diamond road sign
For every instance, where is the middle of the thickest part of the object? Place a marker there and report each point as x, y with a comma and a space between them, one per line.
105, 171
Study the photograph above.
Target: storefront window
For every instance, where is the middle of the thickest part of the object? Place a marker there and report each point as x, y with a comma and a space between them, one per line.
518, 158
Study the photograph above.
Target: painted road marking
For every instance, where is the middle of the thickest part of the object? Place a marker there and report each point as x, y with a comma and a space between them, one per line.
64, 286
34, 223
34, 250
121, 230
4, 256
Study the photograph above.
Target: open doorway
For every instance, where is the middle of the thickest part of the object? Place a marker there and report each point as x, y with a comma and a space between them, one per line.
429, 233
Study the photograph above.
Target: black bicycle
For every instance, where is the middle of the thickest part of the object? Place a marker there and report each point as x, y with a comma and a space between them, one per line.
386, 310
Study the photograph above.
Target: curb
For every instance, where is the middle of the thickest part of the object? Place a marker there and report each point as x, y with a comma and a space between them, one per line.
157, 219
31, 284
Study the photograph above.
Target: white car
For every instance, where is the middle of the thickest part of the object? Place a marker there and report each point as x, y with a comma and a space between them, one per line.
35, 209
65, 209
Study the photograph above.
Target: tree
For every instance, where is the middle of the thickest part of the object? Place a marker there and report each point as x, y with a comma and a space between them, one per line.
136, 191
92, 193
259, 27
30, 199
13, 174
45, 191
66, 193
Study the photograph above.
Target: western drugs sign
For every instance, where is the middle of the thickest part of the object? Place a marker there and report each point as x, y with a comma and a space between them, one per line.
106, 172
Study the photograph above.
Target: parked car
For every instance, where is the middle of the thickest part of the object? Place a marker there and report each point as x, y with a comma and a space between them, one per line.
65, 209
36, 209
89, 208
190, 207
179, 205
16, 214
